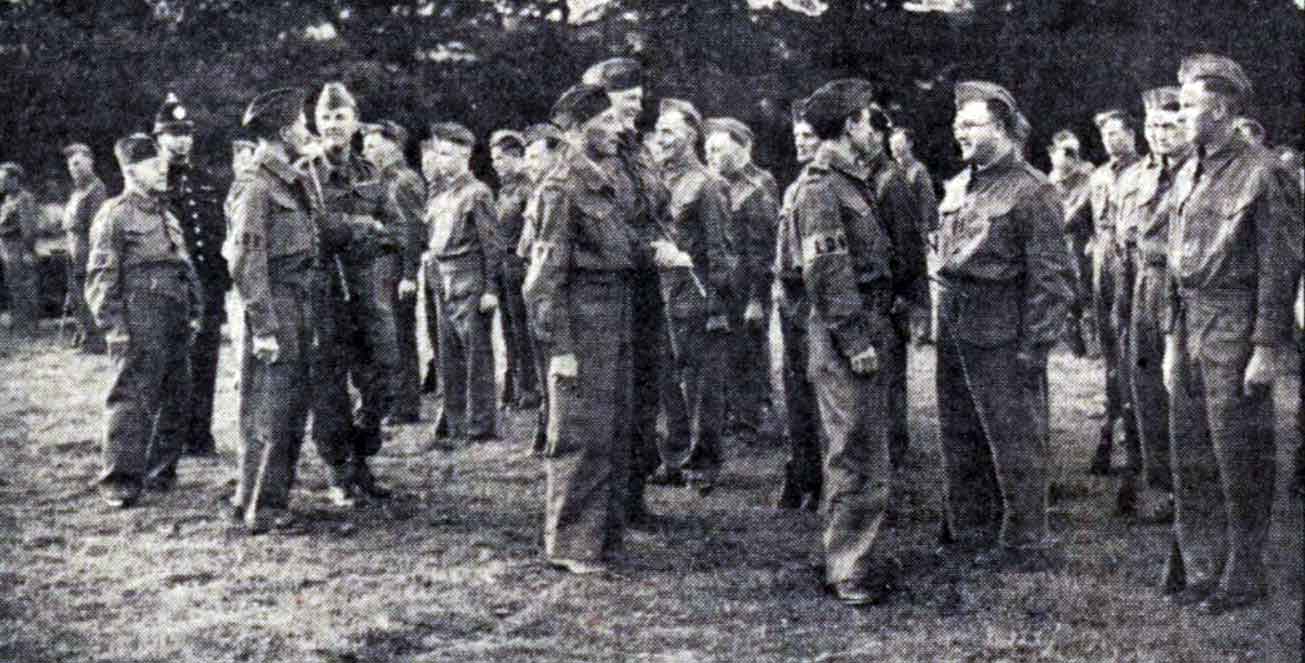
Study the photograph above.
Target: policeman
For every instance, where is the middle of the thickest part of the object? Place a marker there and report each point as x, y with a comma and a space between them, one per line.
698, 263
920, 185
654, 375
845, 269
801, 483
18, 230
1143, 233
465, 248
194, 197
1005, 278
87, 196
356, 322
507, 153
1234, 258
754, 215
1071, 175
145, 294
1116, 131
273, 250
579, 291
405, 199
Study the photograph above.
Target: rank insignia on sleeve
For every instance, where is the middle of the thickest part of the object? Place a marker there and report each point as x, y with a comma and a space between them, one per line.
819, 245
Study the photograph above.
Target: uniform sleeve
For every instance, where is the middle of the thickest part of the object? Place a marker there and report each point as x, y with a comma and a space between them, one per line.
1278, 247
485, 219
901, 214
927, 202
406, 201
722, 247
1048, 272
762, 221
529, 228
248, 241
546, 290
104, 272
827, 268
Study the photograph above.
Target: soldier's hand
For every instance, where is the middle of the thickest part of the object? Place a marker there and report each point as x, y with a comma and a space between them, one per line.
488, 302
866, 363
266, 348
667, 255
1170, 366
718, 323
407, 288
1267, 365
116, 341
563, 367
754, 315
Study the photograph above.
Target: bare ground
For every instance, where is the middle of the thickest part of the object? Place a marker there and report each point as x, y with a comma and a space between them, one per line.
451, 569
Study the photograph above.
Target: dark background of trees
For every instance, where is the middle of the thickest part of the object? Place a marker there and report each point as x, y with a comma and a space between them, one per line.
94, 71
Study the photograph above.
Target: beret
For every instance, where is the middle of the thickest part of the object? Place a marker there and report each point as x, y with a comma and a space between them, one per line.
276, 108
390, 130
1209, 65
507, 138
1100, 119
542, 131
78, 148
837, 99
728, 125
967, 91
452, 132
135, 148
686, 110
335, 95
173, 117
1160, 99
615, 74
579, 104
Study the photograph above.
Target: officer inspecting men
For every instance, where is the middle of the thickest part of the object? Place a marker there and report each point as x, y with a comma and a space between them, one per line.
143, 291
87, 196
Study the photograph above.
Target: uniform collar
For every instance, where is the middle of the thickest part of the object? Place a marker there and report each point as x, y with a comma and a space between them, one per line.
277, 165
1221, 152
678, 167
879, 164
144, 201
1118, 164
833, 156
588, 170
995, 168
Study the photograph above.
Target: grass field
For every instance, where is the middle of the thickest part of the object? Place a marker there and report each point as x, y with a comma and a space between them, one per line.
451, 569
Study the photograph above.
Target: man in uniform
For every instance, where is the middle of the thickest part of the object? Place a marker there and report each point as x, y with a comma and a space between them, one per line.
356, 322
87, 196
1117, 137
405, 200
579, 294
194, 197
654, 375
507, 153
430, 383
1234, 261
1005, 278
754, 215
144, 293
466, 252
920, 186
273, 251
698, 264
1142, 228
1071, 175
801, 483
18, 229
845, 270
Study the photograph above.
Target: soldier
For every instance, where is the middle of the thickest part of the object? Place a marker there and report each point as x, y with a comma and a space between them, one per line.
194, 198
430, 384
464, 245
1234, 261
754, 217
579, 294
920, 186
801, 485
18, 229
144, 293
845, 270
1005, 280
1117, 136
405, 199
1143, 231
273, 250
1071, 175
622, 78
507, 152
698, 265
356, 322
87, 197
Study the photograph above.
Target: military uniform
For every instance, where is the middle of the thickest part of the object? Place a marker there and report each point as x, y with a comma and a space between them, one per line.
18, 228
920, 186
1074, 189
1005, 279
465, 249
846, 273
140, 283
194, 198
405, 202
579, 293
273, 249
85, 201
510, 207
